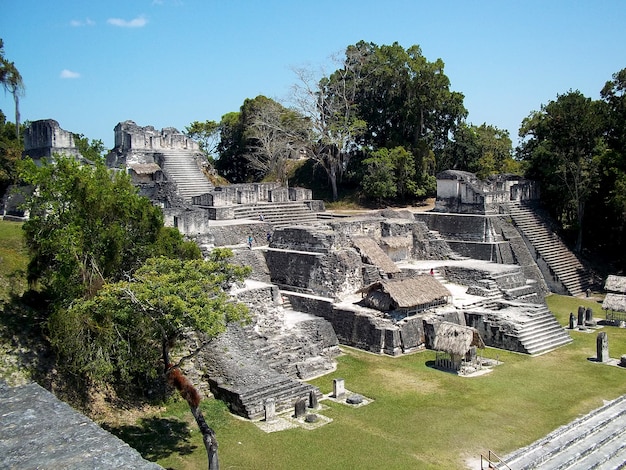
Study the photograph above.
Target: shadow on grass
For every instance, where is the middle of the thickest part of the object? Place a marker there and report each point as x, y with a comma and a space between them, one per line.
156, 438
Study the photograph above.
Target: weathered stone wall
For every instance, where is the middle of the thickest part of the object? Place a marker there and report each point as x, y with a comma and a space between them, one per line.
463, 193
460, 227
494, 331
44, 138
332, 275
309, 239
364, 328
131, 137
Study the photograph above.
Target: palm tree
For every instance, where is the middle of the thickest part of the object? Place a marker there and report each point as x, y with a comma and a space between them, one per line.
12, 82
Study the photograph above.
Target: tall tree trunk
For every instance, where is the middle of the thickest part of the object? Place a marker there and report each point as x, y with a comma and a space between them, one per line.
579, 238
186, 389
208, 437
16, 98
333, 182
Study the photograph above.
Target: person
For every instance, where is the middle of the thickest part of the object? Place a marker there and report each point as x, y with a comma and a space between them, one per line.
432, 272
269, 237
249, 242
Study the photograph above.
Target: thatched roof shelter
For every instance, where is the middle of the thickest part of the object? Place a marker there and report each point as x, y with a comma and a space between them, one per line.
406, 294
615, 284
144, 168
456, 339
373, 254
615, 302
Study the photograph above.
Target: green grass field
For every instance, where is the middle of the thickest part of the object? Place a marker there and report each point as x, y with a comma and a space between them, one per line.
13, 259
420, 418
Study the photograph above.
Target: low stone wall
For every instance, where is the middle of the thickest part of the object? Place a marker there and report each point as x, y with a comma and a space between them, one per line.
494, 332
362, 329
477, 250
457, 226
333, 274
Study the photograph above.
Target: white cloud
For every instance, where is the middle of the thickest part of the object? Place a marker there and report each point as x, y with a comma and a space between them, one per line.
85, 22
138, 22
65, 73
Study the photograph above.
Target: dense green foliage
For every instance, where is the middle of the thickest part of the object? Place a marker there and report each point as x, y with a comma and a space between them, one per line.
207, 135
118, 334
484, 150
13, 260
87, 226
378, 97
390, 174
11, 148
575, 147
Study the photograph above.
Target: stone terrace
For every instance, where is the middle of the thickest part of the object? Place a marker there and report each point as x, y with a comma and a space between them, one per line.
39, 431
595, 441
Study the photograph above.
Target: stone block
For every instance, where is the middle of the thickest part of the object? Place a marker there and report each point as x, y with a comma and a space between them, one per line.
339, 388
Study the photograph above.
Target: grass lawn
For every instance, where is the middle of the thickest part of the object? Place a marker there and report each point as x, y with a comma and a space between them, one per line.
13, 259
420, 417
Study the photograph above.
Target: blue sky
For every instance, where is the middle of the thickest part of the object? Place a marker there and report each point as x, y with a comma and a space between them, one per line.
166, 63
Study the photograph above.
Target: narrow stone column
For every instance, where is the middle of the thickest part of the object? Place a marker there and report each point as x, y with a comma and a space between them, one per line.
602, 347
270, 409
313, 400
300, 408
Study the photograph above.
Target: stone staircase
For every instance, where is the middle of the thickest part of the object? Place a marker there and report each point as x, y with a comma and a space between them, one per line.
562, 263
280, 214
532, 330
182, 168
250, 402
594, 441
542, 332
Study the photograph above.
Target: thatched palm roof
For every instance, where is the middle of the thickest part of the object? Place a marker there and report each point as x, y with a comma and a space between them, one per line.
407, 293
456, 339
615, 284
145, 168
370, 251
615, 302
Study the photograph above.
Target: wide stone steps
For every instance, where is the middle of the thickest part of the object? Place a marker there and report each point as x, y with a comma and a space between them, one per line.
183, 169
541, 332
594, 441
278, 214
286, 393
563, 263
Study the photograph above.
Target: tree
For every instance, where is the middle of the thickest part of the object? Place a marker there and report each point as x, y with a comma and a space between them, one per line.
484, 150
275, 134
563, 147
379, 181
87, 226
119, 335
10, 153
207, 135
406, 101
329, 107
608, 209
390, 174
12, 82
92, 151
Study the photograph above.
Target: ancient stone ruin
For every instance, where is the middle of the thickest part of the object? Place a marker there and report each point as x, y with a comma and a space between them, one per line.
470, 273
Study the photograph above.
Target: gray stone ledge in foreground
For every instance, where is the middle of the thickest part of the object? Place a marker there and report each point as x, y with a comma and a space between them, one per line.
38, 431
